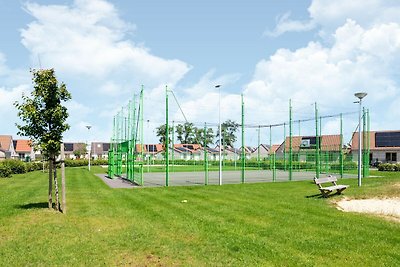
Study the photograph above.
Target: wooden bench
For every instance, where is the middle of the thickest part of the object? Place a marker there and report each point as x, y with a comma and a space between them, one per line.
325, 191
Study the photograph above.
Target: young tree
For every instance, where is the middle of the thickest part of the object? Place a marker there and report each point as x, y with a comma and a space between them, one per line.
44, 118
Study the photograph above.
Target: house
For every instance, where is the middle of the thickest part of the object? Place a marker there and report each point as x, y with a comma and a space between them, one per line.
75, 150
99, 150
303, 147
212, 153
24, 149
7, 149
151, 151
384, 146
262, 151
187, 151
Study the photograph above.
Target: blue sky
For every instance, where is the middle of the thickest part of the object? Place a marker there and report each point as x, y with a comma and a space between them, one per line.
310, 51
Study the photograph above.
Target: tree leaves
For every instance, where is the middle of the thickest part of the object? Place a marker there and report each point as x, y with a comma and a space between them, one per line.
42, 113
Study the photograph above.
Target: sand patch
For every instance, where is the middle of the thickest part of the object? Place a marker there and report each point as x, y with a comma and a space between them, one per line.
383, 207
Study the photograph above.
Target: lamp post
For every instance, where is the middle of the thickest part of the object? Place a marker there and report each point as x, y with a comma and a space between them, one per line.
220, 133
360, 96
90, 147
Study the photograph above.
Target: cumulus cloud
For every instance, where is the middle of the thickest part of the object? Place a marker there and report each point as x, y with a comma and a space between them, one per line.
88, 38
329, 15
359, 59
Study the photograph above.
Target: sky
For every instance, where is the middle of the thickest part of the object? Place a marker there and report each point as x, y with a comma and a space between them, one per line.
314, 51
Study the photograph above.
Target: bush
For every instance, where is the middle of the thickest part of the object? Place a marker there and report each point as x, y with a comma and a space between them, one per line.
5, 171
388, 167
16, 166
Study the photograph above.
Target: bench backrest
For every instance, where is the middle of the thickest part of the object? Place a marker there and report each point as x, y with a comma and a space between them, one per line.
325, 180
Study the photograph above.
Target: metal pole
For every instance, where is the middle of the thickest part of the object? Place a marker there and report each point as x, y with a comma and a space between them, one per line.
90, 146
243, 148
284, 147
258, 152
317, 170
64, 194
141, 135
270, 148
205, 155
173, 145
220, 134
290, 142
166, 138
359, 144
341, 145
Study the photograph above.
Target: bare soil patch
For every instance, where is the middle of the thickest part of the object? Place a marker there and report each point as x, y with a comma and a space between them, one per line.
388, 208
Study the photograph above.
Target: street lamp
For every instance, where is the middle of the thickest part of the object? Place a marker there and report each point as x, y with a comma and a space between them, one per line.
90, 147
360, 96
220, 133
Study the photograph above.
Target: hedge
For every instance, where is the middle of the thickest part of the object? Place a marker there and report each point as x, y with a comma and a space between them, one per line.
15, 166
389, 167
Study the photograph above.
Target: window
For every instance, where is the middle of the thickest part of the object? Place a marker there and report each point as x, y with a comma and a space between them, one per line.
391, 156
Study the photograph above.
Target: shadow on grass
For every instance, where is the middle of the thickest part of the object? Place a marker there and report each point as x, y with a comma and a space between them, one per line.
39, 205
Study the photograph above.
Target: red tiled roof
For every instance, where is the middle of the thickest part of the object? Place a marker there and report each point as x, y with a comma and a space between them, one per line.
23, 146
354, 142
274, 148
5, 141
328, 142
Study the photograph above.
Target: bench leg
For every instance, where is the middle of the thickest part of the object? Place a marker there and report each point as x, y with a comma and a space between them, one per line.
339, 191
324, 193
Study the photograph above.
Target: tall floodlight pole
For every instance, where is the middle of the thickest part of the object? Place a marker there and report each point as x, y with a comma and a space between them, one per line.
360, 96
90, 146
220, 133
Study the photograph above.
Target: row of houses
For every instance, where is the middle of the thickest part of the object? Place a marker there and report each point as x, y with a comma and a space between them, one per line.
384, 147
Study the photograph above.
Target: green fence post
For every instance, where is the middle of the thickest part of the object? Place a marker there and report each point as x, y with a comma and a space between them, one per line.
205, 155
243, 148
290, 142
341, 146
317, 170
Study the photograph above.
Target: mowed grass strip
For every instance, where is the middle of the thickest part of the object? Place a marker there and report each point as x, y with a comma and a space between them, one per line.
242, 225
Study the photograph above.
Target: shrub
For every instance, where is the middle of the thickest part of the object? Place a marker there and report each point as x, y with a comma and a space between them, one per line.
5, 171
16, 166
388, 167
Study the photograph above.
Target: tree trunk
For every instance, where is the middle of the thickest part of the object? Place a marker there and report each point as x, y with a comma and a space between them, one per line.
57, 206
50, 183
64, 200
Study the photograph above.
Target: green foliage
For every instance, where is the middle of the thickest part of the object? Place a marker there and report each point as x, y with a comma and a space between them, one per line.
84, 162
5, 170
228, 132
43, 115
161, 133
16, 166
389, 167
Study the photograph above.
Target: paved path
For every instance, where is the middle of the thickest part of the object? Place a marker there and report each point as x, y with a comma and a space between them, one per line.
116, 182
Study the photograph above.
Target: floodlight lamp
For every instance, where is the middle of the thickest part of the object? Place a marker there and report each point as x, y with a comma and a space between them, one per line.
88, 127
360, 95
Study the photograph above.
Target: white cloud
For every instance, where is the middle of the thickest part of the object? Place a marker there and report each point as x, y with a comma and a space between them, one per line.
329, 15
359, 59
285, 24
8, 113
89, 38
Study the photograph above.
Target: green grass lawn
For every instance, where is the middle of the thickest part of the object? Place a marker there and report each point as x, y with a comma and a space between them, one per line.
243, 225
